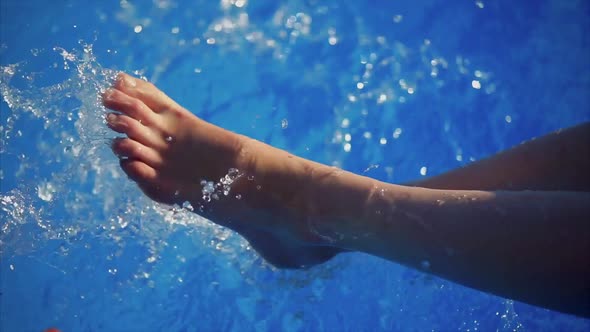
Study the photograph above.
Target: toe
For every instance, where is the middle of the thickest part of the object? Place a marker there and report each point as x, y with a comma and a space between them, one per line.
133, 107
139, 171
149, 180
135, 130
131, 149
158, 194
145, 91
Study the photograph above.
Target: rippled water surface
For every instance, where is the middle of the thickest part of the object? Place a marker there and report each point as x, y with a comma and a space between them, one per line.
390, 89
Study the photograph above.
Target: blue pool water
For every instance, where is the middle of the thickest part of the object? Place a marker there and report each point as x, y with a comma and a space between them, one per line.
395, 90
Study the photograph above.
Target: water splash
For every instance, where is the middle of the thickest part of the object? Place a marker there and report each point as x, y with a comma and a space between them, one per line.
78, 195
212, 190
321, 51
67, 113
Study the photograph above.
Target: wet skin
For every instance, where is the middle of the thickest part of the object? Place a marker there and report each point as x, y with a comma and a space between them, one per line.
168, 151
465, 224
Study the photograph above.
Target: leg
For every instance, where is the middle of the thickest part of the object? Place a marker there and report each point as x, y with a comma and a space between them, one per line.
168, 151
558, 161
528, 245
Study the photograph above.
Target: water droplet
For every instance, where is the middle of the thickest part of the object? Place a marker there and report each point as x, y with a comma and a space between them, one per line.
238, 196
45, 191
208, 190
284, 123
123, 223
423, 170
233, 173
188, 206
345, 123
372, 166
11, 267
169, 139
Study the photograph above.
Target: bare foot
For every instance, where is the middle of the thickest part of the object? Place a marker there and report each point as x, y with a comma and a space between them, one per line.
169, 151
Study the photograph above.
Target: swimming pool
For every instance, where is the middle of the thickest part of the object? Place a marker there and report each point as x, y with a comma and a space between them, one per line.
391, 90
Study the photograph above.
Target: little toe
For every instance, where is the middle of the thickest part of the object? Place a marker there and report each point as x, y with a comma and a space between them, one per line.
149, 180
153, 97
139, 171
158, 193
135, 130
133, 107
125, 147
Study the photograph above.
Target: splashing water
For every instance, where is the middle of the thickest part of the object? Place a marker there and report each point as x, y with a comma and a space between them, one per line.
69, 113
70, 209
79, 192
222, 187
363, 74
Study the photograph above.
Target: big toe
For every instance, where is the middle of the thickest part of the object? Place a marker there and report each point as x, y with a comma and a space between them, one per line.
133, 107
145, 91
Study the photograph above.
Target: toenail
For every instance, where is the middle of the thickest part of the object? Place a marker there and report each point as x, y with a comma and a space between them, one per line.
111, 117
129, 81
108, 94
